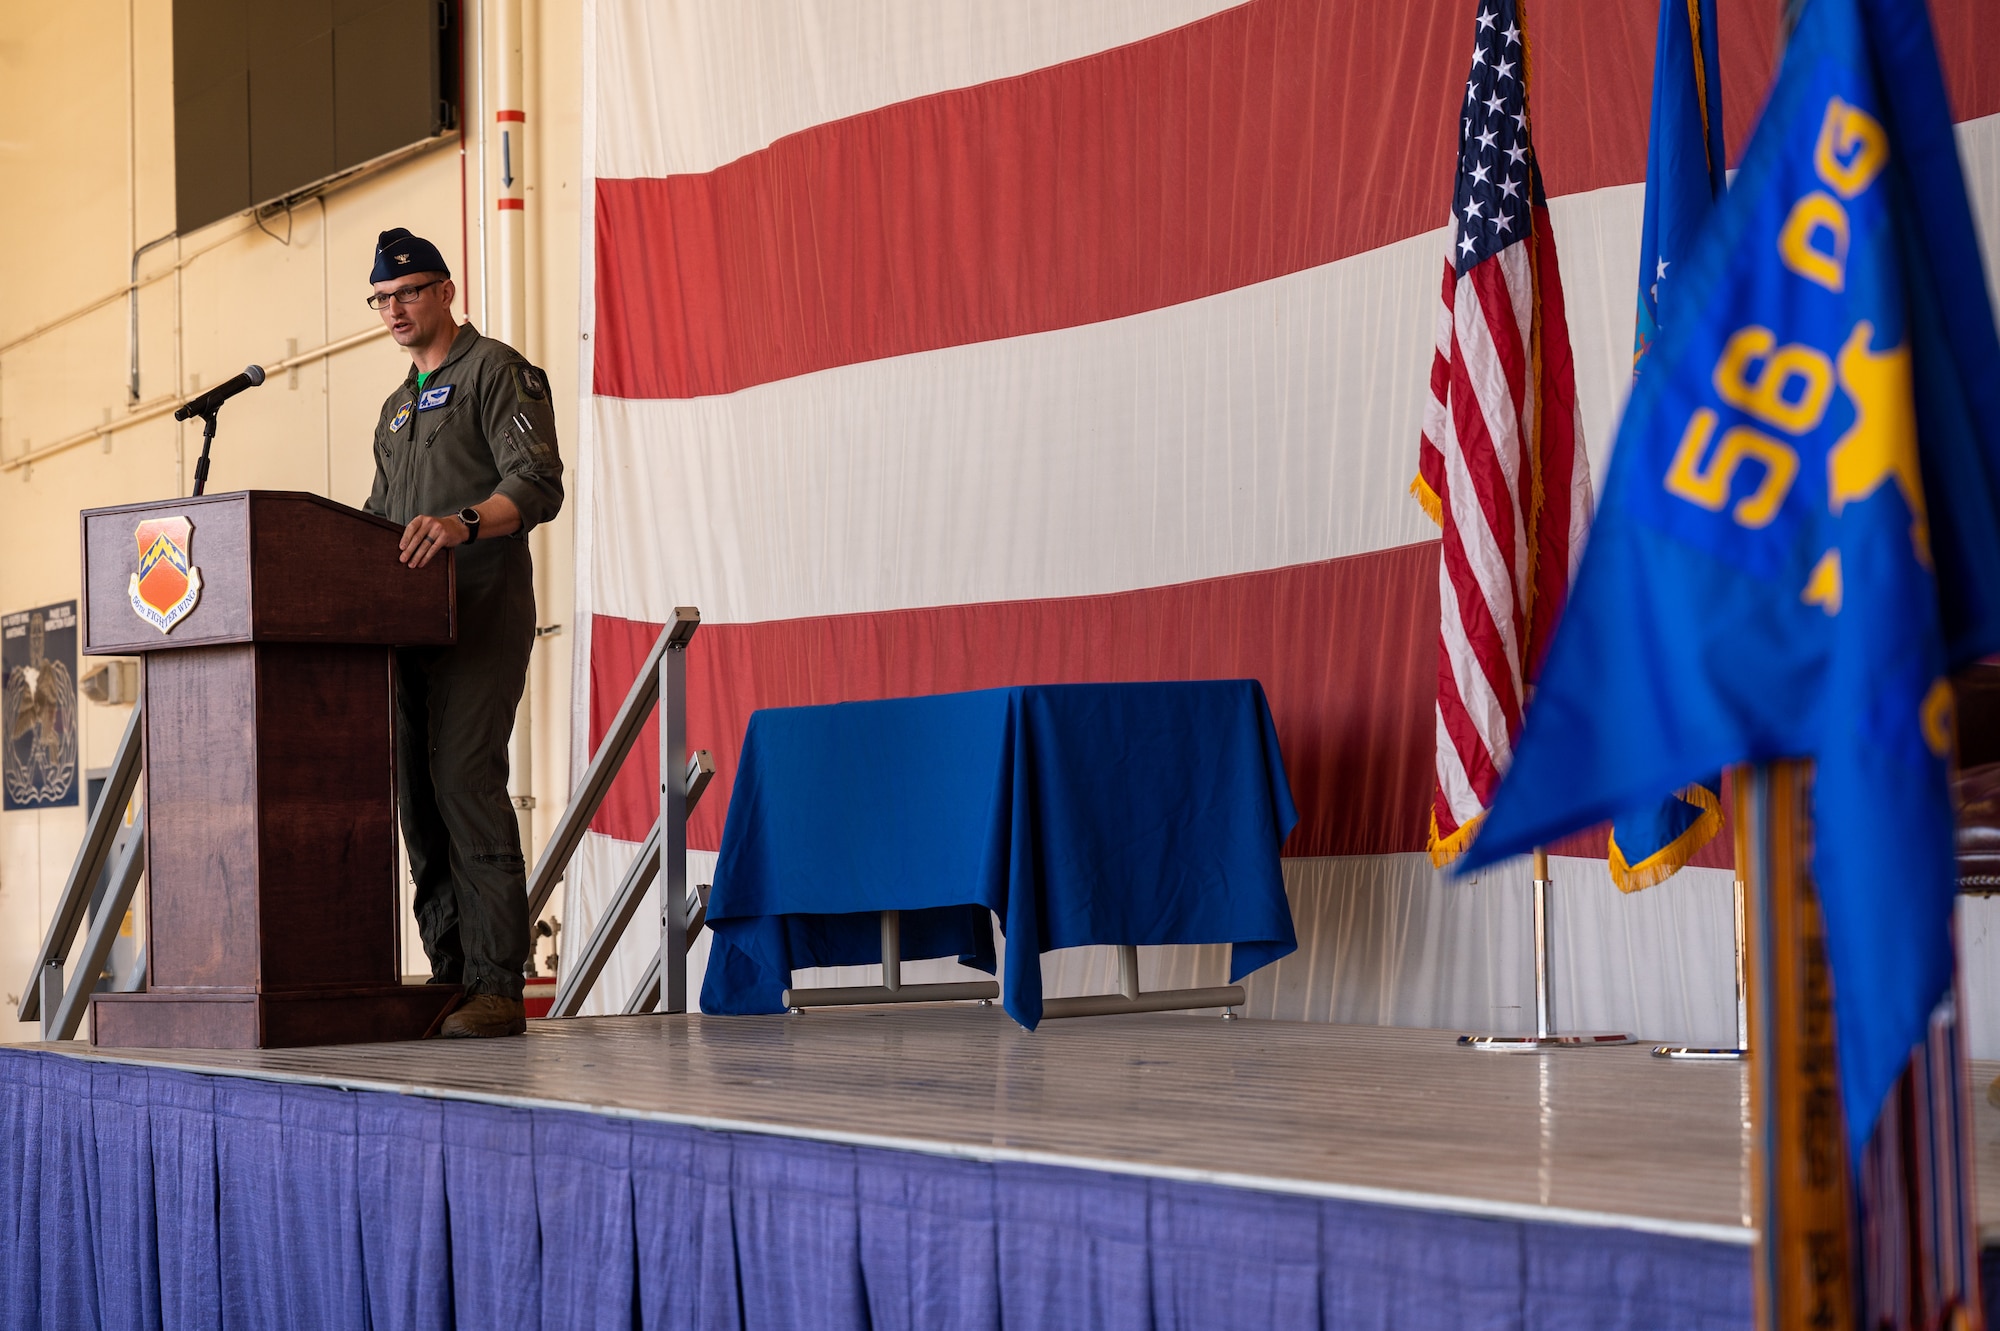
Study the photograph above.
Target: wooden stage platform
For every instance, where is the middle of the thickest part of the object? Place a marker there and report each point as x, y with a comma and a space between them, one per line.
1605, 1137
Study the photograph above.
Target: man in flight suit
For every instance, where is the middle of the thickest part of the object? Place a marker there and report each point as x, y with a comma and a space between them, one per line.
465, 458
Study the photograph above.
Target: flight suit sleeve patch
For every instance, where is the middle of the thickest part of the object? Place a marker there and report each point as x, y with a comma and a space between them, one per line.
530, 384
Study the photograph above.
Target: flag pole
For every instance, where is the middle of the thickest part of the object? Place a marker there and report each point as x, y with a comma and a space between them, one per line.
1546, 1036
1545, 1000
1741, 1050
1799, 1173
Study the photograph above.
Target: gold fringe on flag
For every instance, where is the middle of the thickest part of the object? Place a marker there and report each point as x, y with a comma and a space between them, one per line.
1429, 499
1671, 858
1446, 849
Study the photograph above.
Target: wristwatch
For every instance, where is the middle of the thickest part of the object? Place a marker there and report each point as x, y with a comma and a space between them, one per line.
470, 517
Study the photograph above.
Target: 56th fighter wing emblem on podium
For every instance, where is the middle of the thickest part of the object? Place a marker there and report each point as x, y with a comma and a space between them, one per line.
167, 584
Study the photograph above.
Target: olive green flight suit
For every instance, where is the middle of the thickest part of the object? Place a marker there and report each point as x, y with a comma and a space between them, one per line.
482, 424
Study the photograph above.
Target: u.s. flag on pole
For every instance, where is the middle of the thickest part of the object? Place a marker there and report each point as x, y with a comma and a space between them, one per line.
1501, 468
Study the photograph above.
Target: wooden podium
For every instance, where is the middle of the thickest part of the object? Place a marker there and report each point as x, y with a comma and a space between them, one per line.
266, 620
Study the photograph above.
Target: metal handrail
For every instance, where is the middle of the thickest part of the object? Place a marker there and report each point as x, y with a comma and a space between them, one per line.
99, 835
646, 995
606, 762
581, 973
63, 1011
127, 866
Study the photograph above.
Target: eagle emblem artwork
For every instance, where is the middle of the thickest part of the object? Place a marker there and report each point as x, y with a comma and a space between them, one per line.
167, 584
38, 706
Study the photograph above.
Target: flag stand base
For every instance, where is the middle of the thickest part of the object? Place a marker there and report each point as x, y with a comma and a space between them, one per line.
1545, 1037
1535, 1044
1741, 1051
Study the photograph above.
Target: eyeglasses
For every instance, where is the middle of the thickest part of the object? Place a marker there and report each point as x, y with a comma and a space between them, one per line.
403, 296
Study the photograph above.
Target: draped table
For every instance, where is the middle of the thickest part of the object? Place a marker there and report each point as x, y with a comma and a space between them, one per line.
1127, 814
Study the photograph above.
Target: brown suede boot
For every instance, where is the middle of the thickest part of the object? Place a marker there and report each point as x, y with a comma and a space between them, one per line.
485, 1015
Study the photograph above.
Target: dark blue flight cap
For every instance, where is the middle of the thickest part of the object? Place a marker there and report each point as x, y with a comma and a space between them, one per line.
398, 254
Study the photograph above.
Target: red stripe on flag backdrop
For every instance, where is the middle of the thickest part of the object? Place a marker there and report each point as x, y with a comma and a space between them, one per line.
1346, 650
1270, 138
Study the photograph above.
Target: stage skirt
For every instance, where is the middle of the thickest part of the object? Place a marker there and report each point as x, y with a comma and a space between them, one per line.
142, 1198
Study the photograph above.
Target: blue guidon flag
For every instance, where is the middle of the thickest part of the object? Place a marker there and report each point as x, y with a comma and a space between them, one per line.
1686, 172
1800, 533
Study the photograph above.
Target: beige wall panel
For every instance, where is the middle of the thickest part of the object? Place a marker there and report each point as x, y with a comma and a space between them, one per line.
141, 462
153, 125
39, 549
63, 381
359, 379
270, 438
103, 726
65, 230
423, 195
22, 915
244, 299
159, 331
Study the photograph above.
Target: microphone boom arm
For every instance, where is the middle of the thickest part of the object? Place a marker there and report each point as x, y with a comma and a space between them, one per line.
206, 406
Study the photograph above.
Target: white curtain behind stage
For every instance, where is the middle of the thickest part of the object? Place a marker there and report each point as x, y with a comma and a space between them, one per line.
1385, 940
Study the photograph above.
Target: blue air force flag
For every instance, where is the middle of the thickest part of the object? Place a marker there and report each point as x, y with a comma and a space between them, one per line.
1686, 173
1801, 527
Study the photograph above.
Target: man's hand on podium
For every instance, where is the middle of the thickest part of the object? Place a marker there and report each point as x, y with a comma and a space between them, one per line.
426, 535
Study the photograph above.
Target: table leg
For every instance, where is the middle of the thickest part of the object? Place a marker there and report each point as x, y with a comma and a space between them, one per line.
892, 989
892, 950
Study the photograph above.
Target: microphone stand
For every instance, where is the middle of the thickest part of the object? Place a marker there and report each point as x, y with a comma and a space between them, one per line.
207, 406
207, 438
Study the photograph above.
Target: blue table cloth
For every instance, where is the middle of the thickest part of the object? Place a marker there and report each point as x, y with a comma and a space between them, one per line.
1077, 813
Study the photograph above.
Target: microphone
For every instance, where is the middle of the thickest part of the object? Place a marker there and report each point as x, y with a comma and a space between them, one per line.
206, 404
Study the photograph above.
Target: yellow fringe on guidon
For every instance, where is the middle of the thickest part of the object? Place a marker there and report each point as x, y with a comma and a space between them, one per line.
1446, 849
1671, 858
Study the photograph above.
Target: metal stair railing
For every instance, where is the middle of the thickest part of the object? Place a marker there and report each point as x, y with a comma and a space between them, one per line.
44, 994
609, 758
661, 685
60, 1006
128, 864
581, 973
646, 994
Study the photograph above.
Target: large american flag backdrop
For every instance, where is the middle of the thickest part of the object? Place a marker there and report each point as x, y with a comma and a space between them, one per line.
943, 344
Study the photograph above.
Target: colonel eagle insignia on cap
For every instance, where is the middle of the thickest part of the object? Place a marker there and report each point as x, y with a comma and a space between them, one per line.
396, 250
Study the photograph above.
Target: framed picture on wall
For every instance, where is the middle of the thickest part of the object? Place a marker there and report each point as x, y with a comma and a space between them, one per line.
38, 740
